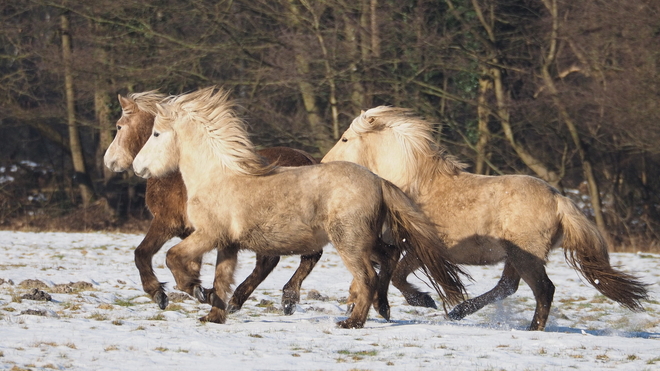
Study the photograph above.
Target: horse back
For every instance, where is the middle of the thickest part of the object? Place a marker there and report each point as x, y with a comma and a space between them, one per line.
285, 156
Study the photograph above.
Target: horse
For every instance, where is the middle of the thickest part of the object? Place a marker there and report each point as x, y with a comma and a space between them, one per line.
484, 220
166, 199
275, 210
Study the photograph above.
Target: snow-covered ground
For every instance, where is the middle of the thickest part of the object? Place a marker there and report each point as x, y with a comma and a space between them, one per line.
112, 325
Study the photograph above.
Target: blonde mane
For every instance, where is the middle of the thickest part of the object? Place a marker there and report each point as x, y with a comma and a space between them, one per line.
146, 101
224, 136
423, 157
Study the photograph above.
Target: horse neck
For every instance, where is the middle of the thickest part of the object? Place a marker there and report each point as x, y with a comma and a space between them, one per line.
143, 125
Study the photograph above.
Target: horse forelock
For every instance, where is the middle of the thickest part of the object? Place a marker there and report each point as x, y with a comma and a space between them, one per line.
146, 101
422, 157
226, 136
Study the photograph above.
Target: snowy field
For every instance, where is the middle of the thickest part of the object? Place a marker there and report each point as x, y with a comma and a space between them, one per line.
100, 319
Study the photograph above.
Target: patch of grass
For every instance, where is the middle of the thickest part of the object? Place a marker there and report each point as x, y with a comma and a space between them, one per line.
47, 343
139, 328
358, 355
255, 336
98, 316
105, 306
653, 361
9, 309
71, 306
117, 322
161, 349
174, 307
124, 302
71, 345
157, 317
111, 347
632, 357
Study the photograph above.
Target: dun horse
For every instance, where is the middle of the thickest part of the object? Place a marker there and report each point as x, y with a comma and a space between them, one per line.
166, 199
485, 219
235, 201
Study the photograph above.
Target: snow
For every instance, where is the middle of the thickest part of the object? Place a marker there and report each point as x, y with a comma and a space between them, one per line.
114, 326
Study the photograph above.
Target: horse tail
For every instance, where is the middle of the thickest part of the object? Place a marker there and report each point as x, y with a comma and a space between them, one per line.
585, 249
415, 234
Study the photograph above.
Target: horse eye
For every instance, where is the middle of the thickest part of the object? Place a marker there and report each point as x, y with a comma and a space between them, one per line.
344, 139
118, 127
156, 134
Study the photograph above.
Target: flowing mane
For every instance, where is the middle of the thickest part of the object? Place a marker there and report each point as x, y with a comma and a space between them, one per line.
225, 135
146, 101
423, 157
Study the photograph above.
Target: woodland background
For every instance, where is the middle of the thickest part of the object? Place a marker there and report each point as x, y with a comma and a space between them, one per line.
564, 90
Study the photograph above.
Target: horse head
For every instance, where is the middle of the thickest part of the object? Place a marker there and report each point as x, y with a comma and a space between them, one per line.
133, 129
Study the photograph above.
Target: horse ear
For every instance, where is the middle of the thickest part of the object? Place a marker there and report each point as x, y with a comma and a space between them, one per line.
371, 119
160, 109
126, 104
362, 112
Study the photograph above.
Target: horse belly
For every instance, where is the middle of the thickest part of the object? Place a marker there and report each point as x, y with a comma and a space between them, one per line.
477, 250
283, 241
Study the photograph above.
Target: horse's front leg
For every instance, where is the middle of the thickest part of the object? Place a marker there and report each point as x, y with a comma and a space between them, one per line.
506, 286
413, 296
155, 238
184, 260
224, 278
291, 290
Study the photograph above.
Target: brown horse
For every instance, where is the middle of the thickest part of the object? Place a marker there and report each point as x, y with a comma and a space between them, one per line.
485, 219
276, 210
166, 199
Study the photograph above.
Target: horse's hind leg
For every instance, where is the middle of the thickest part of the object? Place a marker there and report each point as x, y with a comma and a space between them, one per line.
506, 286
413, 296
155, 238
291, 290
357, 260
263, 267
388, 257
532, 271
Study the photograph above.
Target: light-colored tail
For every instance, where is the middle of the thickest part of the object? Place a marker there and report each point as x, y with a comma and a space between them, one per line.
586, 250
415, 234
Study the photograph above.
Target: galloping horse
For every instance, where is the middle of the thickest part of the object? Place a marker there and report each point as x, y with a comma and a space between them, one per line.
236, 201
484, 219
166, 199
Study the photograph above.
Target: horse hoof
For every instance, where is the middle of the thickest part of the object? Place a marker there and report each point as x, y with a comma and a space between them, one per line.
289, 308
349, 323
161, 299
422, 300
385, 313
200, 294
456, 314
232, 308
349, 308
216, 315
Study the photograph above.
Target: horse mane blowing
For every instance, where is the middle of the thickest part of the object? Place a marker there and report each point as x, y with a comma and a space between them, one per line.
423, 157
225, 136
146, 101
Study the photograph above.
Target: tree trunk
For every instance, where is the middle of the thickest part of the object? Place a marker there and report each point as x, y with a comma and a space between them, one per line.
549, 83
483, 115
102, 101
77, 157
